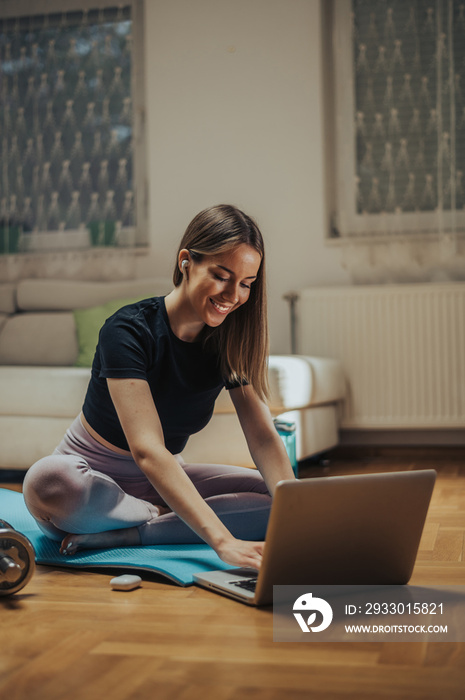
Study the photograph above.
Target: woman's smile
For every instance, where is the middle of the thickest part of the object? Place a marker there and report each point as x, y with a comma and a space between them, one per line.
221, 308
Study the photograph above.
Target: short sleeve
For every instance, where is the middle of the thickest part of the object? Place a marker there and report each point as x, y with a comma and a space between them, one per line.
124, 349
234, 383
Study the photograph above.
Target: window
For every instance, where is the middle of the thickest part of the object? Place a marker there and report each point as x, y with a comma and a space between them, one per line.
72, 171
399, 105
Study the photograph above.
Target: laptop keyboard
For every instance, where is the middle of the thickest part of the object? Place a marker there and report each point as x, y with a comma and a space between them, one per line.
248, 583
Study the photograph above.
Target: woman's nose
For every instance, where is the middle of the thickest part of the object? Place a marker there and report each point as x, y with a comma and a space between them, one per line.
232, 292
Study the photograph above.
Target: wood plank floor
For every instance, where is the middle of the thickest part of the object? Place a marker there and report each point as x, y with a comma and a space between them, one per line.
67, 635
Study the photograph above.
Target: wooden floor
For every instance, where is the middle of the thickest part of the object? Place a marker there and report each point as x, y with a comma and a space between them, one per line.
67, 635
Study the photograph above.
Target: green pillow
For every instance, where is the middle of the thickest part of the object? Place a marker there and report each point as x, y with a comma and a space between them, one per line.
88, 325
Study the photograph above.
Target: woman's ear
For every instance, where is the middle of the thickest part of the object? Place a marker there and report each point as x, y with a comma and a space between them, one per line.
184, 260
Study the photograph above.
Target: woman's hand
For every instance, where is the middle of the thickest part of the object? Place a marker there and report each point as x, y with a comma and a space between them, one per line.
241, 553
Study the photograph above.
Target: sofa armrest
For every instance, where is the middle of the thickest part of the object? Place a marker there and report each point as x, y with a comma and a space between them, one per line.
300, 381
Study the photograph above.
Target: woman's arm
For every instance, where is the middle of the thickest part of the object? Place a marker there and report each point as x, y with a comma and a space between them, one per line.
141, 424
266, 447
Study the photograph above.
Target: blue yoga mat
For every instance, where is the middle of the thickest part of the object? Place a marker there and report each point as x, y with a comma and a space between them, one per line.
177, 562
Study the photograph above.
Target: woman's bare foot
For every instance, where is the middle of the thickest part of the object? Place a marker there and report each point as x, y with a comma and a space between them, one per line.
127, 537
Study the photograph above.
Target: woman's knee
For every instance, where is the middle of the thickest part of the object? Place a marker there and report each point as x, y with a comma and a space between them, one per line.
53, 481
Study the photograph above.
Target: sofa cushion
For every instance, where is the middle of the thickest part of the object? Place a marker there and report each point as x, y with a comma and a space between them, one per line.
39, 339
43, 391
25, 439
7, 298
67, 295
88, 324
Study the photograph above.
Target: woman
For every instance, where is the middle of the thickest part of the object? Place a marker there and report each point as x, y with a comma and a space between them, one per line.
118, 479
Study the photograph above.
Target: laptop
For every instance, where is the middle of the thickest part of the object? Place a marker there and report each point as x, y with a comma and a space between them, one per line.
361, 529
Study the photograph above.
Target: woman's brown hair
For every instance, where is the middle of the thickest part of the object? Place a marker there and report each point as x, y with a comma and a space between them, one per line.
242, 339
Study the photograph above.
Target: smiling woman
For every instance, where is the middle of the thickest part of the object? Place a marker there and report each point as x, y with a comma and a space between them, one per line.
118, 477
224, 244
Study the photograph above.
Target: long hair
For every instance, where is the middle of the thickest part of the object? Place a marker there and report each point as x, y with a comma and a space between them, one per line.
241, 341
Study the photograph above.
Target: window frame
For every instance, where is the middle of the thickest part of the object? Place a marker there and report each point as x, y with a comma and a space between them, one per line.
346, 224
19, 8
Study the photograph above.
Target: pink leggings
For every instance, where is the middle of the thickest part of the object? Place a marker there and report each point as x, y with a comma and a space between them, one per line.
84, 487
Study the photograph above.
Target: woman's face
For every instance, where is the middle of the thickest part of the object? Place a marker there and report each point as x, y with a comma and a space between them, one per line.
218, 284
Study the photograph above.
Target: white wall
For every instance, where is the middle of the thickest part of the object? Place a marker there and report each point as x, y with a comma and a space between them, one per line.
234, 114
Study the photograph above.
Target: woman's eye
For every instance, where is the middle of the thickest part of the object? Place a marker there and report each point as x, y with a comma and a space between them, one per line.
226, 279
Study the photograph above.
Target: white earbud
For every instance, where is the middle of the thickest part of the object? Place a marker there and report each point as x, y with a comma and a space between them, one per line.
184, 265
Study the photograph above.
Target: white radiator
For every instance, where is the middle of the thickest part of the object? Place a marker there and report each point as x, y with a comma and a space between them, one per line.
402, 348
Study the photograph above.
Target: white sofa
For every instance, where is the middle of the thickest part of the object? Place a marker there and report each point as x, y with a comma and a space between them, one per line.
41, 391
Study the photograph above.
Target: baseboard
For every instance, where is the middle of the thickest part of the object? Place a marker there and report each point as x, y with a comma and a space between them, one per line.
408, 438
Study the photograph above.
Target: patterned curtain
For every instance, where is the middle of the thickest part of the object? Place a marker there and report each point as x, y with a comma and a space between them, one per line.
66, 123
409, 105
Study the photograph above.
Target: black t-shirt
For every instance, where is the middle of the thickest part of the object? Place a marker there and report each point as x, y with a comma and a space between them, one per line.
137, 342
